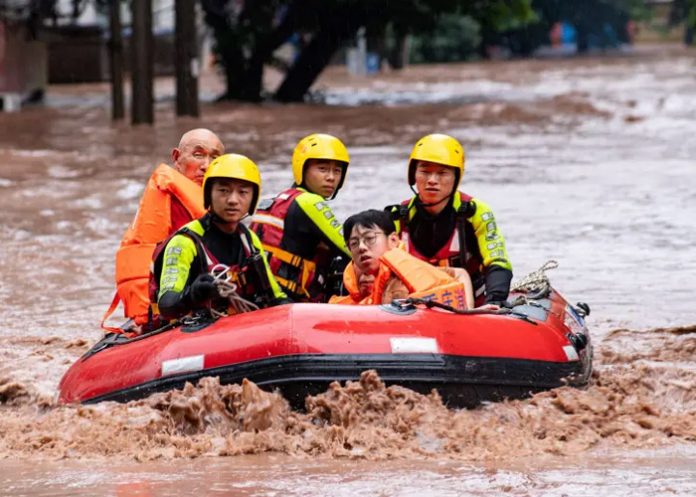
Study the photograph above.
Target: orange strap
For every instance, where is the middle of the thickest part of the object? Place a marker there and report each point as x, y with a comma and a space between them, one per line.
306, 266
109, 312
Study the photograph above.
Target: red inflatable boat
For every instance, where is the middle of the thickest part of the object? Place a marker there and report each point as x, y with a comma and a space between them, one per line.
300, 348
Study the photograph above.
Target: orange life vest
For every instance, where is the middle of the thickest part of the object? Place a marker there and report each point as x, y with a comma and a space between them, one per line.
422, 280
152, 224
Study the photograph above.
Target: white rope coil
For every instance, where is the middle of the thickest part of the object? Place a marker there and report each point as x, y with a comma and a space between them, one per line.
228, 290
536, 281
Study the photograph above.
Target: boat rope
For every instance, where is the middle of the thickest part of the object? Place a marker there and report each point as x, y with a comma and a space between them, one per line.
429, 303
228, 290
536, 282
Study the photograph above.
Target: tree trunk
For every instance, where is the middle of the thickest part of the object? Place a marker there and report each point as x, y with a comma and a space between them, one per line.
116, 61
311, 62
233, 62
582, 37
398, 54
227, 48
142, 68
265, 46
339, 26
186, 57
244, 74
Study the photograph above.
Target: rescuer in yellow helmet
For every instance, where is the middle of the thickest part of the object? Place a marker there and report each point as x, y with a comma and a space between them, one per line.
181, 279
447, 227
298, 228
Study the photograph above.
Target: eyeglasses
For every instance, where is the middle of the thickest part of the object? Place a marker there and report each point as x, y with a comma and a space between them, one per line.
369, 238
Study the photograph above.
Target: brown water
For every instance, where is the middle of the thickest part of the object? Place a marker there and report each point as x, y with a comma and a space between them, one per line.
588, 161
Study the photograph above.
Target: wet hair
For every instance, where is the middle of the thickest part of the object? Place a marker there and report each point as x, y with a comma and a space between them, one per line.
371, 218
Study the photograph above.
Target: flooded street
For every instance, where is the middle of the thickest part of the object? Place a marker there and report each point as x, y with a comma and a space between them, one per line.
588, 161
658, 472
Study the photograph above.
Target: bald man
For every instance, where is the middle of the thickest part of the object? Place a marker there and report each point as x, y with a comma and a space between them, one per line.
172, 198
197, 148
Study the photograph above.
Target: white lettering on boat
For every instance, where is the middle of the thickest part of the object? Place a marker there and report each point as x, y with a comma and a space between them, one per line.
408, 345
571, 353
182, 365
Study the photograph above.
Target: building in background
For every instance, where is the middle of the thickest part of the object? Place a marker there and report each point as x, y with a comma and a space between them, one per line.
22, 65
67, 41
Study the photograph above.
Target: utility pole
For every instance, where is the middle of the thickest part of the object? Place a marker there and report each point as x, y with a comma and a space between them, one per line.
142, 62
187, 63
116, 60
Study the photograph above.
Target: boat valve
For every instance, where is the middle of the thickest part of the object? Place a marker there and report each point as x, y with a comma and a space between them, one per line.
579, 340
582, 309
403, 304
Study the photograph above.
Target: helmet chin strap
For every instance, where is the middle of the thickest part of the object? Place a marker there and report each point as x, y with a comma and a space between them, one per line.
433, 203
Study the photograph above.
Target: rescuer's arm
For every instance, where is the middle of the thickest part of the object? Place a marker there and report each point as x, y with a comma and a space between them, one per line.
491, 243
174, 298
322, 217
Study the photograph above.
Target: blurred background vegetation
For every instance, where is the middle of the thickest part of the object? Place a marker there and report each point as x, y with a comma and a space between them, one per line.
302, 37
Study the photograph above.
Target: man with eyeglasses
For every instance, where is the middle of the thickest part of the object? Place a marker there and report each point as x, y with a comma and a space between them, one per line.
449, 228
380, 271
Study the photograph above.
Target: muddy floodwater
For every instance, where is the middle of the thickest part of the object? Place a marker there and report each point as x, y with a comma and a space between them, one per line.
587, 161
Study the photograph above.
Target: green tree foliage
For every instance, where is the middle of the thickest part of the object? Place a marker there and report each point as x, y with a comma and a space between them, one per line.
684, 11
23, 10
454, 38
690, 23
247, 33
599, 23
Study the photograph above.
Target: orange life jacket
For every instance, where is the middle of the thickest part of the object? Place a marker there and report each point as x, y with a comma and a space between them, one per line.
422, 280
152, 224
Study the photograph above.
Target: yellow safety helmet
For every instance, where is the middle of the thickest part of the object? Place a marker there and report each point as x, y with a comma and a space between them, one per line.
440, 149
233, 166
319, 146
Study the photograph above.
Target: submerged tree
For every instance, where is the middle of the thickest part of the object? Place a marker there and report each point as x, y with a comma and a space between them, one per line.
247, 33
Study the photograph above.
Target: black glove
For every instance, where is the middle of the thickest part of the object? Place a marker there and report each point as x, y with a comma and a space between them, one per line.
203, 289
497, 284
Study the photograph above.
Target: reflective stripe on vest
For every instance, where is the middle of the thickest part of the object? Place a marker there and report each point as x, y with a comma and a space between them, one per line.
271, 220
